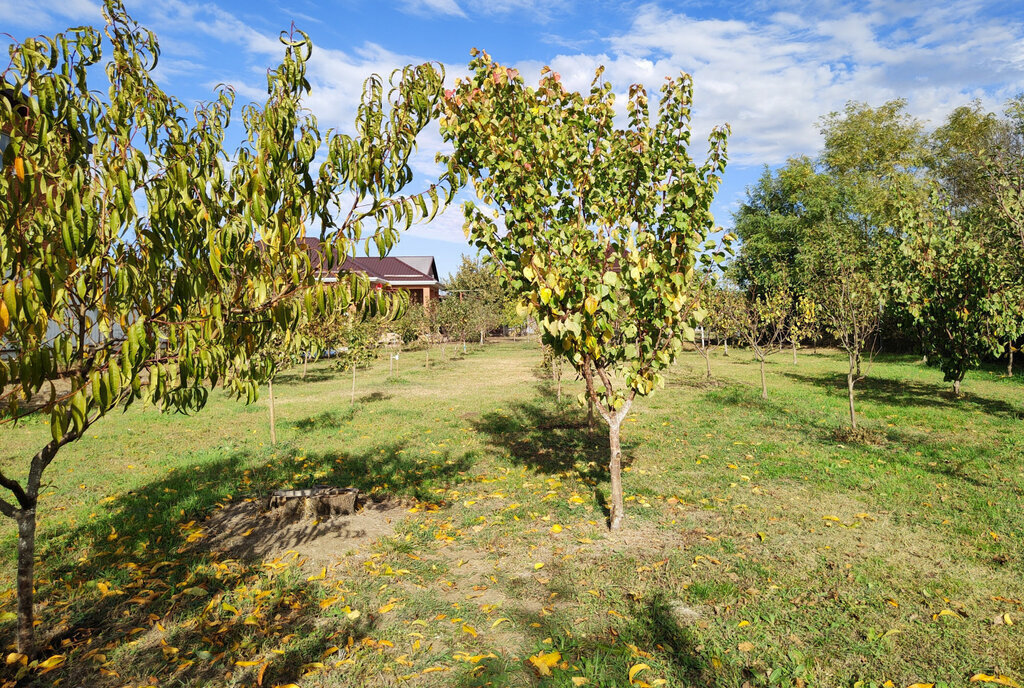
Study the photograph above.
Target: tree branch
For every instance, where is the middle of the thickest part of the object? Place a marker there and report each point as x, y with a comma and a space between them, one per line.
16, 489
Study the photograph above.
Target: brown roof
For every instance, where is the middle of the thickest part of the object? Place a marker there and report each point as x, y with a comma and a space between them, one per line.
389, 269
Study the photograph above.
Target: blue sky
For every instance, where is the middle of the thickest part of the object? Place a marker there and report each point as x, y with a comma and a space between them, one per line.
770, 69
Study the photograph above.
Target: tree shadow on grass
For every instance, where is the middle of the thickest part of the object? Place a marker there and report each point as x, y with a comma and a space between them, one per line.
136, 584
326, 419
898, 392
545, 438
293, 376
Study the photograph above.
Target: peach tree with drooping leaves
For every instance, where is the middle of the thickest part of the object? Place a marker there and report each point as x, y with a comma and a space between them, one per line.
140, 261
597, 229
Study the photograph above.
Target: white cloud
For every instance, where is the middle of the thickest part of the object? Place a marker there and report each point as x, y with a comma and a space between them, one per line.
773, 76
33, 14
431, 7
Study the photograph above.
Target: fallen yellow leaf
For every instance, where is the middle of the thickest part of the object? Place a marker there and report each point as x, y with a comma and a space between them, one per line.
1000, 679
543, 661
636, 669
51, 663
319, 576
466, 628
580, 680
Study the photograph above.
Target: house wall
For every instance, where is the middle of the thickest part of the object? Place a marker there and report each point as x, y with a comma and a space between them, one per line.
420, 295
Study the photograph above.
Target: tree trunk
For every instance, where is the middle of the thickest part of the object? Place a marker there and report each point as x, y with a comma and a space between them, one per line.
726, 347
463, 346
956, 387
481, 337
26, 519
428, 355
849, 386
1009, 359
764, 384
353, 401
273, 421
590, 414
858, 364
616, 504
305, 362
707, 363
793, 341
815, 346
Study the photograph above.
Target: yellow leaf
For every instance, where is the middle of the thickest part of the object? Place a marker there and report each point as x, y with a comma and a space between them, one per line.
580, 681
543, 661
538, 565
556, 529
16, 657
51, 662
636, 669
1000, 679
1007, 619
466, 628
830, 518
944, 612
742, 624
259, 674
576, 499
319, 576
386, 608
500, 621
247, 663
229, 608
921, 685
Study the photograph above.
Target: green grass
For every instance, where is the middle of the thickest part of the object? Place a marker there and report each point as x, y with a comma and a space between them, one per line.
810, 556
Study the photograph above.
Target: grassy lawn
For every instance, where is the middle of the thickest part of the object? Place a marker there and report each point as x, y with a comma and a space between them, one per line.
764, 546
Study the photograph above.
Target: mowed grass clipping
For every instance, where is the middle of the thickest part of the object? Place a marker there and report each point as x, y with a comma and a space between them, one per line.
765, 545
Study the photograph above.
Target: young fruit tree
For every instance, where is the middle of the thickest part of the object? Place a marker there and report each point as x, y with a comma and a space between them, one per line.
704, 343
954, 284
851, 309
141, 261
762, 324
602, 226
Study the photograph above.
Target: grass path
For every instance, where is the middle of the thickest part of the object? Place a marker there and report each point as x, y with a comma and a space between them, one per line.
764, 546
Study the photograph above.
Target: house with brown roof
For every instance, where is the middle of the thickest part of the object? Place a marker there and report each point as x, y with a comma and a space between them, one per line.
414, 274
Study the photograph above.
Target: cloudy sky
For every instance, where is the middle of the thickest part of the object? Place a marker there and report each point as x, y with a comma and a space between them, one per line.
770, 69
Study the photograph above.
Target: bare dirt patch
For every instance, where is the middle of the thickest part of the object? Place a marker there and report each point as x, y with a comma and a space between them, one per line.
241, 530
